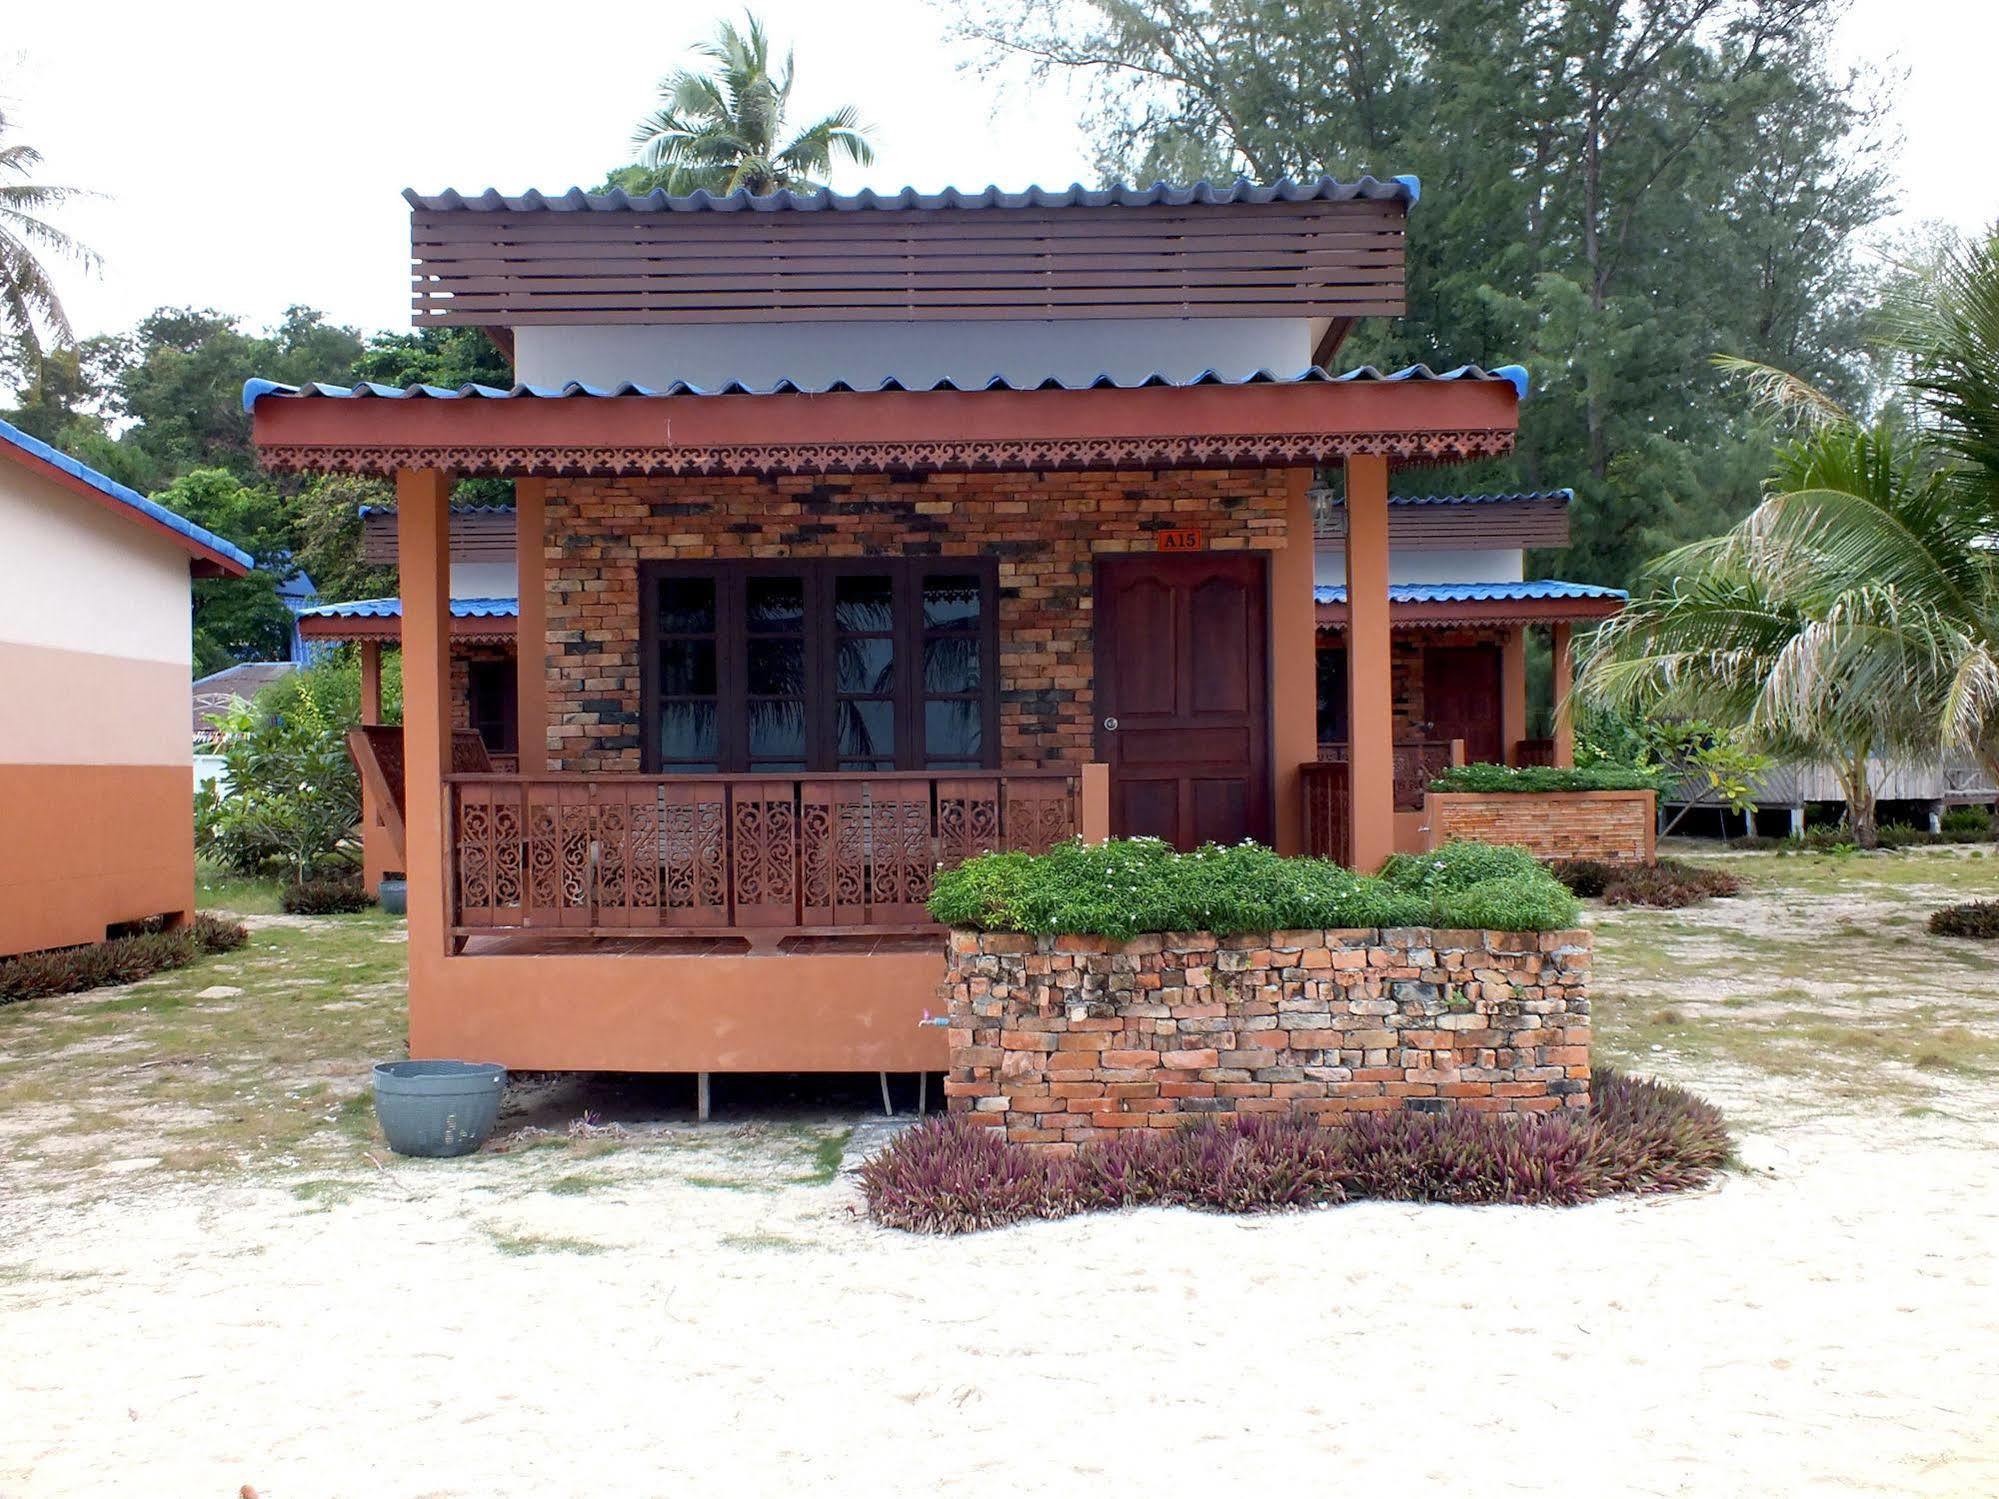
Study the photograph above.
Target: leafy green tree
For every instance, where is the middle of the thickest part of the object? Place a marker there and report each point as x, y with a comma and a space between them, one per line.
238, 619
725, 127
293, 796
29, 302
179, 376
1856, 610
1615, 191
327, 525
448, 357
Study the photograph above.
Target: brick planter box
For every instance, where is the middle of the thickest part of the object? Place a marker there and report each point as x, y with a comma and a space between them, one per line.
1062, 1039
1615, 826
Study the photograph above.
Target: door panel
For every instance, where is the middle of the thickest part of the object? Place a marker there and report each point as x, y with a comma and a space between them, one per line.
1182, 669
1461, 698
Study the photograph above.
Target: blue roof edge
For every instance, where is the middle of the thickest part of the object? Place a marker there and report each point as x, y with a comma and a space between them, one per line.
109, 487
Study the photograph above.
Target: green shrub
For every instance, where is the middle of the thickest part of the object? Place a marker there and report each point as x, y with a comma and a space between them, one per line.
1668, 883
1127, 886
336, 895
1975, 918
1544, 778
120, 960
1967, 822
952, 1175
294, 795
216, 934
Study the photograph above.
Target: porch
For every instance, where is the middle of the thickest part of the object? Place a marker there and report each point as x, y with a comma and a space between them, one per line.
778, 683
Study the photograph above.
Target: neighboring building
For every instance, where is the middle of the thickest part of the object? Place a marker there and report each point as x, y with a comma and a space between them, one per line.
1460, 609
96, 649
857, 534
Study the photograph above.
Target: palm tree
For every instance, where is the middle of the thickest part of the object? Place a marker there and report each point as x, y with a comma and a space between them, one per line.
1857, 608
725, 129
27, 294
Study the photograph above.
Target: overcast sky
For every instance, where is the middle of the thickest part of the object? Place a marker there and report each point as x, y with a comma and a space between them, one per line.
251, 156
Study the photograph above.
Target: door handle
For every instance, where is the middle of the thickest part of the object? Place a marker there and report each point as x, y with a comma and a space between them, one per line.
1110, 725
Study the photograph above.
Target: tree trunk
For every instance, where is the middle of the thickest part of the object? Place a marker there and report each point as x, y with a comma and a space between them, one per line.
1859, 790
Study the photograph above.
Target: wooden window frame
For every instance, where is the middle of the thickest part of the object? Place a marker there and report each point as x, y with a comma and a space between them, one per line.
821, 689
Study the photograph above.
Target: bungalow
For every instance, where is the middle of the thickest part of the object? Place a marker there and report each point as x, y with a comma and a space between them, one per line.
96, 778
858, 533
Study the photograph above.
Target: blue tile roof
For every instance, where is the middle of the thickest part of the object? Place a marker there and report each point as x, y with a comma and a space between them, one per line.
110, 488
496, 608
1475, 593
253, 390
1402, 188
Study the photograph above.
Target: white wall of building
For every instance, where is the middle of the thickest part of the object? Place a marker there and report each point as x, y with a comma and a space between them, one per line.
761, 354
484, 580
1467, 565
74, 575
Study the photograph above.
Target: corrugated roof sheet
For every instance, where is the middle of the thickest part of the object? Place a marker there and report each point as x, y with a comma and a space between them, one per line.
105, 485
1402, 188
1515, 375
1560, 496
1476, 593
495, 608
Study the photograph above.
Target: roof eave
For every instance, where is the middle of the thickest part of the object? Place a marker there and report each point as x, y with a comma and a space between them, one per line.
1288, 424
205, 561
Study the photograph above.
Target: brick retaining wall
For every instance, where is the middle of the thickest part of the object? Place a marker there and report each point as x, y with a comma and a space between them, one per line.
1617, 826
1061, 1039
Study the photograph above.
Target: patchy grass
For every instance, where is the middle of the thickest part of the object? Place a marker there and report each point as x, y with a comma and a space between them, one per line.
763, 1241
246, 895
1818, 987
252, 1058
532, 1243
578, 1184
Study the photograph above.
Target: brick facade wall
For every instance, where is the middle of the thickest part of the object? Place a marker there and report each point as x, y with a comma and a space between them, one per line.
1060, 1039
1043, 528
1617, 826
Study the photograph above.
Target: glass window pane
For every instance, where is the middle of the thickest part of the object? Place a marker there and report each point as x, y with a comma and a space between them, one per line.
864, 601
951, 601
774, 603
687, 668
777, 668
952, 730
687, 735
777, 731
951, 663
867, 729
687, 606
864, 664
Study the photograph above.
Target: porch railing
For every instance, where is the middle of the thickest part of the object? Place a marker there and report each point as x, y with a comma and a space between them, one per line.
753, 856
1327, 789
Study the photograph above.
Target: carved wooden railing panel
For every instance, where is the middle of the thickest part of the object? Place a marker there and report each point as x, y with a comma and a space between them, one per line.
760, 856
1417, 763
1327, 823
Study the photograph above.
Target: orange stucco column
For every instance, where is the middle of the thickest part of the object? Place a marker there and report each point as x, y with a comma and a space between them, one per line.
1370, 693
531, 634
374, 837
1294, 711
1565, 677
1512, 693
423, 542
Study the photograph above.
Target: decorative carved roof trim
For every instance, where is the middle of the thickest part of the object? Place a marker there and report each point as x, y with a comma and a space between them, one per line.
1277, 450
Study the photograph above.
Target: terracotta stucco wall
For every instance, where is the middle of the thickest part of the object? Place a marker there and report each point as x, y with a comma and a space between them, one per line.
1043, 529
96, 779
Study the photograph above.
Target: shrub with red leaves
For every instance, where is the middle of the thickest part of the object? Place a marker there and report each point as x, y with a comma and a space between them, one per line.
950, 1176
1668, 883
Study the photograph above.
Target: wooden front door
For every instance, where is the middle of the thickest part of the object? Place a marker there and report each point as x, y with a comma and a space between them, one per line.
1182, 677
1461, 699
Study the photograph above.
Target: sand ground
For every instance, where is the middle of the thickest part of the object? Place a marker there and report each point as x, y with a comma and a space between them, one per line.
701, 1307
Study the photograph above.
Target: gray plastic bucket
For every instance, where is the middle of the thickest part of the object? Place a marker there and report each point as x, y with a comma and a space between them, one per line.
438, 1108
394, 896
